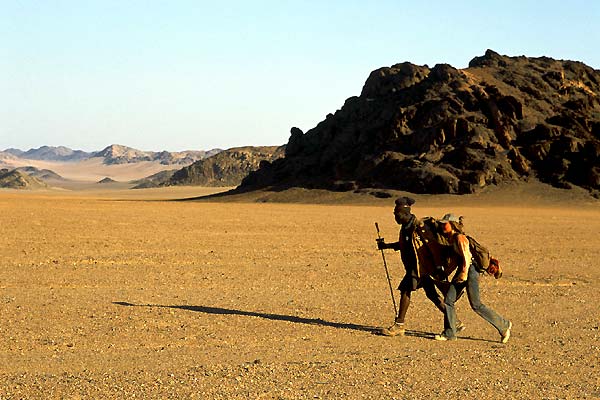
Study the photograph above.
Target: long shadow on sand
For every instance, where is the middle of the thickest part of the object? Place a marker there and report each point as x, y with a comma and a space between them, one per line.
274, 317
281, 317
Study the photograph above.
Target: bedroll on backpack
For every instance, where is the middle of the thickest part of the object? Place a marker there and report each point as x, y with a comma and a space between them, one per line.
481, 255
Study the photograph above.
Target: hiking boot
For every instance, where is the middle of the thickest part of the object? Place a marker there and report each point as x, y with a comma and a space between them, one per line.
460, 326
394, 330
506, 335
442, 338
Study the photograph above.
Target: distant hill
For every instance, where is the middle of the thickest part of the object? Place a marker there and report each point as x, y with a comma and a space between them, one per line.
7, 155
49, 153
14, 179
106, 180
226, 168
13, 152
446, 130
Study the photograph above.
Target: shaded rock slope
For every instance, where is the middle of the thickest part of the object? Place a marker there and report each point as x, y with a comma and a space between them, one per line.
42, 174
154, 180
226, 168
445, 130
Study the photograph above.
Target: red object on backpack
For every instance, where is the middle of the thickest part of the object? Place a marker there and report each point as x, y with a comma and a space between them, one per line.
494, 268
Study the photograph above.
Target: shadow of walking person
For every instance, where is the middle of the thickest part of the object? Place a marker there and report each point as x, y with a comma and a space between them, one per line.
282, 317
269, 316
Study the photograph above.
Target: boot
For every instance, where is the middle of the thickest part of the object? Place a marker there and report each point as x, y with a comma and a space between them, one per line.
394, 330
506, 335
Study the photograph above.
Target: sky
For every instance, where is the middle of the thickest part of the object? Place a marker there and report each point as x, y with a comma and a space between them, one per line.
195, 75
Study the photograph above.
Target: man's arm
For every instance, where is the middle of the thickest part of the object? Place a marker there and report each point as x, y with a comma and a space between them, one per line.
465, 259
381, 245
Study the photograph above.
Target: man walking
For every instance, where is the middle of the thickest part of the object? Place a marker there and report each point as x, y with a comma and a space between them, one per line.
422, 256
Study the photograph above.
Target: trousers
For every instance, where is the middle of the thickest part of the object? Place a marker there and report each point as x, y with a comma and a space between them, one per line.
472, 286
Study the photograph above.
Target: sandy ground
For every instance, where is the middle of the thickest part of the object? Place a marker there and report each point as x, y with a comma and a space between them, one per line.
102, 296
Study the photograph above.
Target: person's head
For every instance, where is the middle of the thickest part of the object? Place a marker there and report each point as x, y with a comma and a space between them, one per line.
402, 212
450, 223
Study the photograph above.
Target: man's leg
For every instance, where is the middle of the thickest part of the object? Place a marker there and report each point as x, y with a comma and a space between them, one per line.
450, 315
398, 327
432, 294
404, 304
429, 285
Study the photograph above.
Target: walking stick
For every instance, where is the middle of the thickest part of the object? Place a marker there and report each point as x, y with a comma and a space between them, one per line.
387, 273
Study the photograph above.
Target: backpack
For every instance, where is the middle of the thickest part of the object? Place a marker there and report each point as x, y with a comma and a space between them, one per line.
481, 255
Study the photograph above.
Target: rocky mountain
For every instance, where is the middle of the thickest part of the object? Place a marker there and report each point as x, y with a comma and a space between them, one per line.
14, 179
117, 154
227, 168
446, 130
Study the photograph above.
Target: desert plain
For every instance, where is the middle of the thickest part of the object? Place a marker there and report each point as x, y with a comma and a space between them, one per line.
130, 294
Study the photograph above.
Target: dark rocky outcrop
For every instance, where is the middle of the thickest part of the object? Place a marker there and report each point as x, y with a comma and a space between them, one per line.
226, 168
445, 130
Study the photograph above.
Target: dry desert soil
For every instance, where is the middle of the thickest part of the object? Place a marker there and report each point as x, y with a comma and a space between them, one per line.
125, 294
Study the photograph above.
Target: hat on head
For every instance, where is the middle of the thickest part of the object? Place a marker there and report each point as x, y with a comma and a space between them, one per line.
449, 218
404, 201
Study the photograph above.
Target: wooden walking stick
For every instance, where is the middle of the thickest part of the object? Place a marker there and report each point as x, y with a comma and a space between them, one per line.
387, 273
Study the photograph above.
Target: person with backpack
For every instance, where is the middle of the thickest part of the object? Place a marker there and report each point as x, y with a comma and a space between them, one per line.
422, 256
467, 277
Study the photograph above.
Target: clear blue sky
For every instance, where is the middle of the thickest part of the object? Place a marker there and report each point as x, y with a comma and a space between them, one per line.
175, 75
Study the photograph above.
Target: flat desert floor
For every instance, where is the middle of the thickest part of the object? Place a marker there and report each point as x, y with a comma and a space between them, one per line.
110, 296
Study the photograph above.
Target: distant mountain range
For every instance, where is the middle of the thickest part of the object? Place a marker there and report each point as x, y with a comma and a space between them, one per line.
113, 154
61, 166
